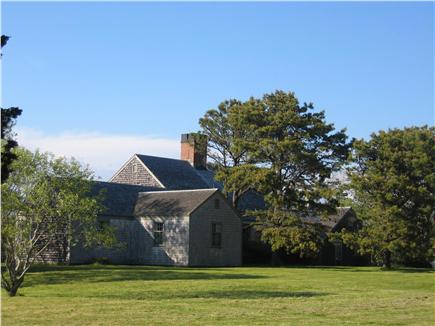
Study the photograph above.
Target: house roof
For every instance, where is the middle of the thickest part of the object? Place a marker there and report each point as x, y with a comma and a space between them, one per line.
173, 174
208, 177
171, 203
119, 199
331, 221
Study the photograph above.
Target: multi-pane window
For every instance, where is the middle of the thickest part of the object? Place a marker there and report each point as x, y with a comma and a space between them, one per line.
158, 233
216, 235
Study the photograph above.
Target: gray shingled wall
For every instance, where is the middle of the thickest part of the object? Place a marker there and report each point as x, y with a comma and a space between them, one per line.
175, 247
200, 252
141, 177
127, 235
137, 243
187, 240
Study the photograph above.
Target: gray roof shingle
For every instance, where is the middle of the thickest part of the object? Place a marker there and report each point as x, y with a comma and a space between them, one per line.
174, 174
331, 221
171, 203
119, 199
208, 177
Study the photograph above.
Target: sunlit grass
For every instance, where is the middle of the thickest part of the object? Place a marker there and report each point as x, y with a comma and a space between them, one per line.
127, 295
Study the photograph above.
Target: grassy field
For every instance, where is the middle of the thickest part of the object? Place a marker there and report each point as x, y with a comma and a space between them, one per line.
137, 295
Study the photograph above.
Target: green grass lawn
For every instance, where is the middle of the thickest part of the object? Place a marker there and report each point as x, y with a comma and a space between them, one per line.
138, 295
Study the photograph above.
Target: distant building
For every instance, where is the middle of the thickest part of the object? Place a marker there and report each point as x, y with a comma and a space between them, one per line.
165, 212
177, 227
172, 212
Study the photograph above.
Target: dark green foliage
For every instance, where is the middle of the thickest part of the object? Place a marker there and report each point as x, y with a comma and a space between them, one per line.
8, 119
287, 152
227, 132
4, 40
299, 151
393, 180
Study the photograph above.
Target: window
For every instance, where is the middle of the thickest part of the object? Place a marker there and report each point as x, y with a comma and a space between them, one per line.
338, 251
134, 168
216, 203
158, 233
216, 235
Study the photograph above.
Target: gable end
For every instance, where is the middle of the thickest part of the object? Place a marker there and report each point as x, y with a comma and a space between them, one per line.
135, 172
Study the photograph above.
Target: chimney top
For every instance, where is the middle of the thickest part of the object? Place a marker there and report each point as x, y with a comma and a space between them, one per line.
194, 149
187, 137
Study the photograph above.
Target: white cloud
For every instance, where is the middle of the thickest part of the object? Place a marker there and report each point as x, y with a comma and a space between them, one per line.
105, 153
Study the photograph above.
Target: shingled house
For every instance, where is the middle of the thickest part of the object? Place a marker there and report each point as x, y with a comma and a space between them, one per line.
167, 212
172, 212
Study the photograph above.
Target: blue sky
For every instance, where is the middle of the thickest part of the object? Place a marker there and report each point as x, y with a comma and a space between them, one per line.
146, 72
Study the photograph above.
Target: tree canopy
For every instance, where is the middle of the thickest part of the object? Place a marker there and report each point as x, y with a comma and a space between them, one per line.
8, 143
299, 150
8, 120
45, 200
227, 133
393, 182
287, 152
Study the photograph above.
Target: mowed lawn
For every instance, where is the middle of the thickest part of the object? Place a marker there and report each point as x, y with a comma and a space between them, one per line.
138, 295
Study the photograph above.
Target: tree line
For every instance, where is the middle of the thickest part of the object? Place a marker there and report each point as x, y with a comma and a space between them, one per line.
288, 152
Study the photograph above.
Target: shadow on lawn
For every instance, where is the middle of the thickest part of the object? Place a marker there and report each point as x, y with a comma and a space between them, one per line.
45, 274
241, 294
370, 269
225, 294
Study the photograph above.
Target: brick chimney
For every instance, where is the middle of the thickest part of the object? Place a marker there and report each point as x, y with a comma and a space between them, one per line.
194, 150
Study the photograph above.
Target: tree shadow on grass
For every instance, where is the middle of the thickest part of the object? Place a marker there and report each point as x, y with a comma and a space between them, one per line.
244, 294
368, 269
45, 275
146, 294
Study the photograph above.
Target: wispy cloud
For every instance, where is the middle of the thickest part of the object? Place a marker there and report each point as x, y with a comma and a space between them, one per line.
105, 153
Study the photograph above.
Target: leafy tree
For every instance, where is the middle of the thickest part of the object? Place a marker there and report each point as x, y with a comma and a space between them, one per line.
8, 118
393, 181
45, 200
297, 151
227, 133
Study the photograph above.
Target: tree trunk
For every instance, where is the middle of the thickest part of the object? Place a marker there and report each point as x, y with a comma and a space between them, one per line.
387, 259
15, 285
235, 200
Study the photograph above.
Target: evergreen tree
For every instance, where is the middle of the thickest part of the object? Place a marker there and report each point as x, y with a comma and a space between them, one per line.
8, 119
297, 151
227, 133
393, 181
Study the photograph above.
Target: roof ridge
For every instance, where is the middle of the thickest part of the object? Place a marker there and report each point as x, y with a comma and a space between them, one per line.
121, 184
182, 190
165, 158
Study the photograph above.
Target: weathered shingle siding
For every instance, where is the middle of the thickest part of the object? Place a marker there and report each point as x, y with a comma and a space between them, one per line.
126, 231
57, 252
200, 251
137, 243
175, 247
141, 177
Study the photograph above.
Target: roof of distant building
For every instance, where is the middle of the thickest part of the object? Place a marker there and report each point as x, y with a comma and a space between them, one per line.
174, 174
171, 203
118, 199
331, 221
